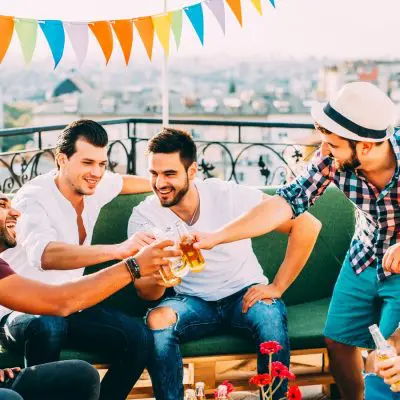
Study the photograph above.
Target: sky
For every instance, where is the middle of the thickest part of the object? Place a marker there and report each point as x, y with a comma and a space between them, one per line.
296, 28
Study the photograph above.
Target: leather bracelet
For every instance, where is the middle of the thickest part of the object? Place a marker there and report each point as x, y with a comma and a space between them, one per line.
128, 267
133, 267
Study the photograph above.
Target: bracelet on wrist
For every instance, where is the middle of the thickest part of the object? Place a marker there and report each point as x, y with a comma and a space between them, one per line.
133, 266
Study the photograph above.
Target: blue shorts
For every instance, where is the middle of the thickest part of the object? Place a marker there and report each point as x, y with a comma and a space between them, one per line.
359, 301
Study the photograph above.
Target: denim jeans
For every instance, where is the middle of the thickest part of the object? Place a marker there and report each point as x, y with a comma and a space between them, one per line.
126, 340
62, 380
197, 318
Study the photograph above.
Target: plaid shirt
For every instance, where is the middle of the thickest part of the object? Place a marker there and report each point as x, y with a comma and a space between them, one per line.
378, 213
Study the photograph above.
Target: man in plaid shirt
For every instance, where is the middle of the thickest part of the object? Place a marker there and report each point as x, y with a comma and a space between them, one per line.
360, 154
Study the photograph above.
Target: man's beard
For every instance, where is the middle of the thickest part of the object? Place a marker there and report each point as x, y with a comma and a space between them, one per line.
349, 165
6, 240
178, 196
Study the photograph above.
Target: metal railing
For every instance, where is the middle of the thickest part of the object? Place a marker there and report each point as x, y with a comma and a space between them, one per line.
250, 152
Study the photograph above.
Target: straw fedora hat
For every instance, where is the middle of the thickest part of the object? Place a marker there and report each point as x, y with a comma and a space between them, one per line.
359, 111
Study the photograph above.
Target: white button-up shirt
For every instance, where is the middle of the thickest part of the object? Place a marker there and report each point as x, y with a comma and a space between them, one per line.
47, 216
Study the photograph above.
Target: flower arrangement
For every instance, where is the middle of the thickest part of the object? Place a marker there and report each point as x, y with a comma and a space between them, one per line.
224, 390
277, 371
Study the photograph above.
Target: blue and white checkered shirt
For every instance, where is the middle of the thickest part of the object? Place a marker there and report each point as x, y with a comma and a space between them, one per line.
378, 213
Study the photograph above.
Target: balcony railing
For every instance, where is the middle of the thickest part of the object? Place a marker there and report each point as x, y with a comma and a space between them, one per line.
255, 153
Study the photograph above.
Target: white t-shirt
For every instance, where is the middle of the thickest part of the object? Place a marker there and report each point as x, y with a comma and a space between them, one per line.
47, 216
229, 267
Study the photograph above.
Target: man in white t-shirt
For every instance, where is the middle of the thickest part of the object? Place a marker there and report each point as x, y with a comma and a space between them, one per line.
59, 211
232, 290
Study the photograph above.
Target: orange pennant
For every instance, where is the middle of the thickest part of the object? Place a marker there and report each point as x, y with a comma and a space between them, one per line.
102, 32
145, 28
123, 28
6, 29
257, 5
236, 7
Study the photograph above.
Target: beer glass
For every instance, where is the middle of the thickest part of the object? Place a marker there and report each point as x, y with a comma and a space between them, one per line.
177, 268
192, 256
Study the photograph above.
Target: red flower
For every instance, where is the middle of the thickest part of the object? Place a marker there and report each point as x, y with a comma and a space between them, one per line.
294, 393
228, 385
261, 380
279, 370
270, 347
290, 376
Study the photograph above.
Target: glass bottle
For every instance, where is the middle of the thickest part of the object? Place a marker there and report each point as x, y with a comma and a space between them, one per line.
190, 394
200, 391
384, 351
222, 392
191, 255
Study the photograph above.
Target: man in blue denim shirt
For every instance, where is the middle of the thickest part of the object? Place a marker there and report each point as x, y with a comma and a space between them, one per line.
232, 291
360, 154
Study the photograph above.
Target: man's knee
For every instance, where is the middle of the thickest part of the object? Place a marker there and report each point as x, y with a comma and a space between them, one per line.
6, 394
161, 318
52, 328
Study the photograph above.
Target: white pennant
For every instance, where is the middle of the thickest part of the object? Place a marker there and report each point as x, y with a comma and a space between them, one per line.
78, 34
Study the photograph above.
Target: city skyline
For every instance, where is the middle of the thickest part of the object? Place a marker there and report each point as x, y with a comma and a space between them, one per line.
296, 28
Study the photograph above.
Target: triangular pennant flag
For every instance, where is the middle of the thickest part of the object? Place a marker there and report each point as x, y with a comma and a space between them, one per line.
162, 26
78, 34
257, 5
145, 28
123, 28
273, 3
102, 31
176, 22
27, 30
218, 9
195, 15
55, 36
236, 7
6, 29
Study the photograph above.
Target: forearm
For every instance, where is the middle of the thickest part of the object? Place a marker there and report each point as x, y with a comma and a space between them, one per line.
62, 256
302, 238
148, 289
33, 297
135, 184
265, 217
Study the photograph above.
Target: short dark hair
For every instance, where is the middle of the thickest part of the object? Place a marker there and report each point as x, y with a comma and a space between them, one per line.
85, 129
170, 140
352, 143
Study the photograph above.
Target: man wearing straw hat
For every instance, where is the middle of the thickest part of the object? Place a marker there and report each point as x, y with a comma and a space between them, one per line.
360, 154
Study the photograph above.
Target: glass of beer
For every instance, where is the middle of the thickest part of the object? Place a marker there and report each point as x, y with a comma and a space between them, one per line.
192, 256
177, 267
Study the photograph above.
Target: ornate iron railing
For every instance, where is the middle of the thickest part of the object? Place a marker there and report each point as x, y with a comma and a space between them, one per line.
256, 153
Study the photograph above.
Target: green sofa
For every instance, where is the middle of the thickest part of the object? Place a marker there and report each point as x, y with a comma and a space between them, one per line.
307, 299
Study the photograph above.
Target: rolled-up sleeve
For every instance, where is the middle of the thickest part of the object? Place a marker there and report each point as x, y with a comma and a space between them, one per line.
5, 269
34, 231
305, 190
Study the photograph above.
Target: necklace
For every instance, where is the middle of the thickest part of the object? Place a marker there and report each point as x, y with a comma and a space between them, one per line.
195, 211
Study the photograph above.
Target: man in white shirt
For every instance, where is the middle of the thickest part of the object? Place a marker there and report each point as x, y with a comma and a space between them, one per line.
59, 211
232, 290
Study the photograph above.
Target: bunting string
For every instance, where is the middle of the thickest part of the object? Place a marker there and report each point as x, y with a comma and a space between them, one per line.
148, 27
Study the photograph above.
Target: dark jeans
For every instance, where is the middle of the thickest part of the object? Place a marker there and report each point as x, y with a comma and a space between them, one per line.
126, 340
62, 380
197, 318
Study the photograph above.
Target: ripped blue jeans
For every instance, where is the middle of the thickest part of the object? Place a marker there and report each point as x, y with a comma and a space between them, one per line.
197, 318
